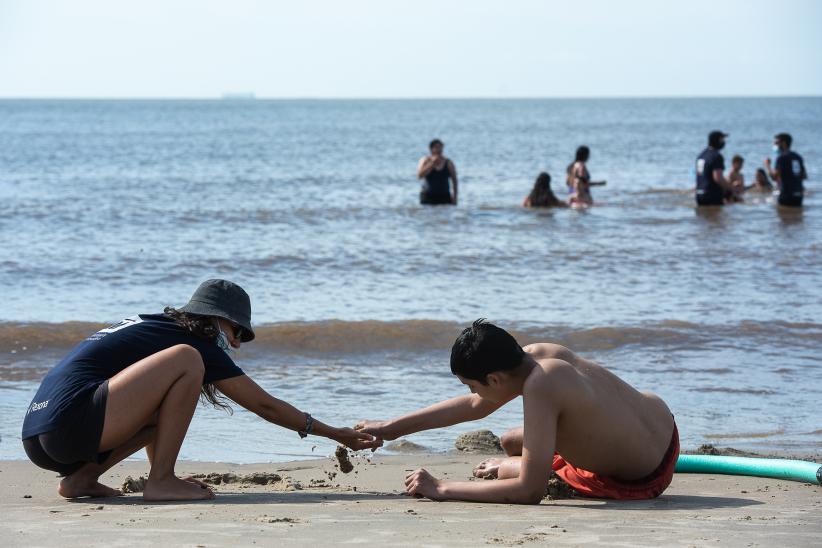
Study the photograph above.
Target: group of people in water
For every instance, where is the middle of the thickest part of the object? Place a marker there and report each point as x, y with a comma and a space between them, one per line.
713, 188
439, 174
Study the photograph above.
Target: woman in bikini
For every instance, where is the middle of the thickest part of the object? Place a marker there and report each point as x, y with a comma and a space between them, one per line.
579, 180
136, 384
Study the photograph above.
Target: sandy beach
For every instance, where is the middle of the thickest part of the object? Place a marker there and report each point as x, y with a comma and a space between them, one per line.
309, 505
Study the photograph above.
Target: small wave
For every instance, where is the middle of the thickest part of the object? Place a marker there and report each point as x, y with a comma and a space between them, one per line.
726, 390
341, 336
744, 435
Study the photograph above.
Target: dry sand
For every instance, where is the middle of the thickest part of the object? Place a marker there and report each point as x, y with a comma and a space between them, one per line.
311, 506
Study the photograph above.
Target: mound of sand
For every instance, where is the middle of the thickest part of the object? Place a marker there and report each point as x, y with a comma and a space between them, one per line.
257, 478
558, 489
405, 446
478, 441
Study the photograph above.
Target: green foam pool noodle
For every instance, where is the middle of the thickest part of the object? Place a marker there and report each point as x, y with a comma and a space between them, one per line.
787, 469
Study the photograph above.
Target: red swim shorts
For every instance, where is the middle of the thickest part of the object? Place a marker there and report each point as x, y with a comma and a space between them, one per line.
589, 484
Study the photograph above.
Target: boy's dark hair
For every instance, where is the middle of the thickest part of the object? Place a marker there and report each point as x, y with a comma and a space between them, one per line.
484, 348
434, 143
784, 138
737, 158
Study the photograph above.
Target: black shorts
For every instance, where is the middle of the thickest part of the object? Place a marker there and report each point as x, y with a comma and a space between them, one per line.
790, 201
434, 199
69, 447
709, 200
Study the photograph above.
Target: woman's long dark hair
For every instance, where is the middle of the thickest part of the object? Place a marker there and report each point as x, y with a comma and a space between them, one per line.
542, 195
203, 327
583, 153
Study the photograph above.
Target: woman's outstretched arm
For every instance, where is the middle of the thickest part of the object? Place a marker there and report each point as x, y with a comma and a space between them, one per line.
250, 395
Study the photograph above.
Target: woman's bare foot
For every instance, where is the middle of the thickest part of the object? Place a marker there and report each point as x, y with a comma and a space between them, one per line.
488, 469
192, 479
76, 486
174, 488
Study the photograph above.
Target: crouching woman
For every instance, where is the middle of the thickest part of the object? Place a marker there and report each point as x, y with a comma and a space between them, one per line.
136, 384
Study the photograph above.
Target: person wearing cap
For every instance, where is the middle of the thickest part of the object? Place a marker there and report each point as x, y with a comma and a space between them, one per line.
789, 172
136, 384
711, 185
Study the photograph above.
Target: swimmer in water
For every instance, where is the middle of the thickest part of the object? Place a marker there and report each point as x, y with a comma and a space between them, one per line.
136, 384
436, 169
736, 180
542, 195
599, 434
761, 182
579, 179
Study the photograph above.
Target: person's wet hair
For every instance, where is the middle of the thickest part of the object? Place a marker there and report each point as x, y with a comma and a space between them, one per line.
738, 159
784, 138
542, 195
583, 153
484, 348
434, 143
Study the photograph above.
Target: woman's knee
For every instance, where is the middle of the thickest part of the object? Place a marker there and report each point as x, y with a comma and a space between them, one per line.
188, 359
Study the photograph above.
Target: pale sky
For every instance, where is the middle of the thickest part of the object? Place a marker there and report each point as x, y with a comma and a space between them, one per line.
419, 48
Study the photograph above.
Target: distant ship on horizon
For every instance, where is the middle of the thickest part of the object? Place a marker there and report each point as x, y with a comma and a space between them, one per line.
238, 95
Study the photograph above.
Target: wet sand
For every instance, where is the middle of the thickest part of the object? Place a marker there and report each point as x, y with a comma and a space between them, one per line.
310, 505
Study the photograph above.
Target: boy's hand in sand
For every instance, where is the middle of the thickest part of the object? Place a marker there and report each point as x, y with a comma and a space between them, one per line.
356, 440
422, 484
376, 428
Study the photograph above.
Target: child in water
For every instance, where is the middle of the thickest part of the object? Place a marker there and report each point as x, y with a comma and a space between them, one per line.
736, 179
542, 195
761, 182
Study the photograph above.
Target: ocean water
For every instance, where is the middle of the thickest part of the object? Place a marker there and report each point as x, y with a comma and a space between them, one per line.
109, 208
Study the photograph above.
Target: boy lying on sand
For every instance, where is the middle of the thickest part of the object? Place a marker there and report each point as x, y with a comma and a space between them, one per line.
599, 434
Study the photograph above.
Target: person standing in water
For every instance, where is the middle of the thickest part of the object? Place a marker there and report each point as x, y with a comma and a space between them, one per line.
542, 195
579, 179
789, 172
711, 185
436, 169
736, 179
136, 384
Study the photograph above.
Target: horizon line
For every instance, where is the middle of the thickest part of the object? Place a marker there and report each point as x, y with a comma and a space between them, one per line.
229, 97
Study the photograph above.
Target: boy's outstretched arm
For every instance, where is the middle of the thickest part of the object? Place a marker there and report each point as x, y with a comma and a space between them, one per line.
466, 408
539, 441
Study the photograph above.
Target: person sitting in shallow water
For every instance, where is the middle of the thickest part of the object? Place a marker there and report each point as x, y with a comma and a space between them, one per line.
761, 182
600, 435
136, 384
542, 195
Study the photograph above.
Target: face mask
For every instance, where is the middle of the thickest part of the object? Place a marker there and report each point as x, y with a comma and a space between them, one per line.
721, 145
775, 148
222, 342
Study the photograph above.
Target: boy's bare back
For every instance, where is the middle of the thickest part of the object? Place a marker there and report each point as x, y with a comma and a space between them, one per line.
605, 425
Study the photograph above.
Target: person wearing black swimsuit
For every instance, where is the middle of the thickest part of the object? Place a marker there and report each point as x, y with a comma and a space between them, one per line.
436, 169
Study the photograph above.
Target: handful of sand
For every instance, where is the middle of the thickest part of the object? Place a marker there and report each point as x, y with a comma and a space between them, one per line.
343, 459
